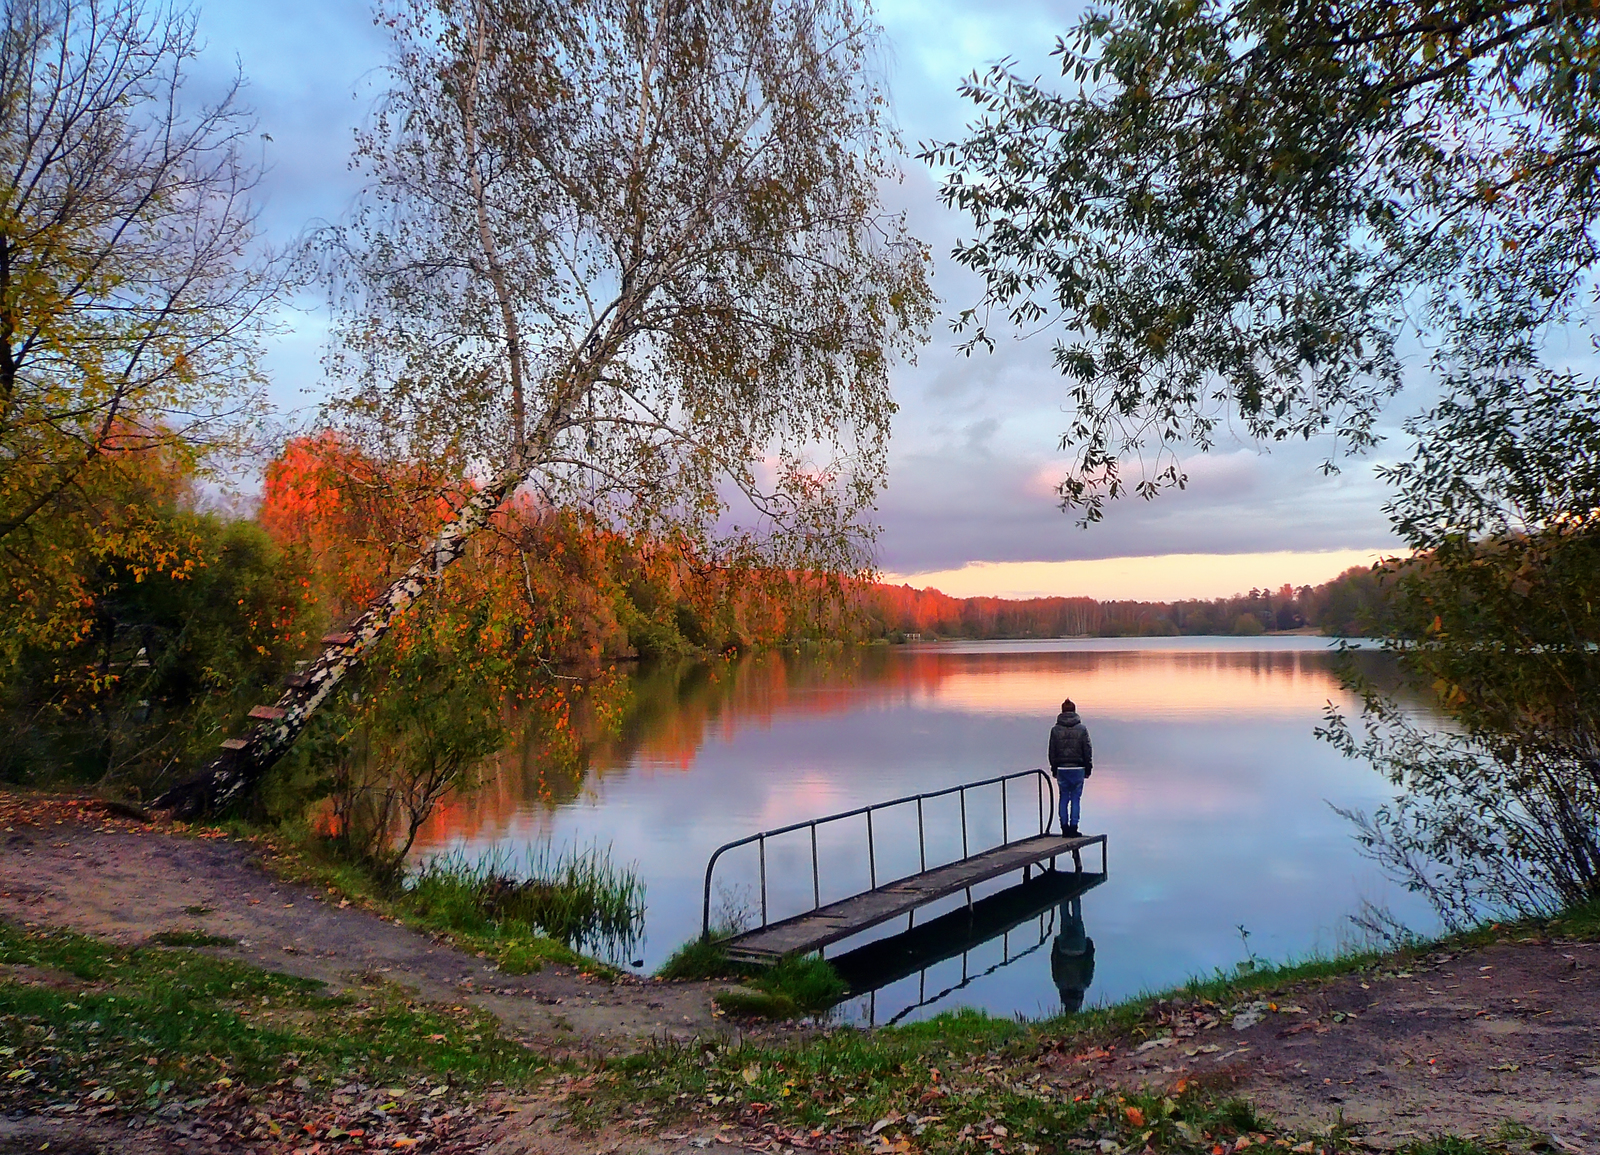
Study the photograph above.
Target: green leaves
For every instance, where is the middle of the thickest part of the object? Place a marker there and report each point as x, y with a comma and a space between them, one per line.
1304, 187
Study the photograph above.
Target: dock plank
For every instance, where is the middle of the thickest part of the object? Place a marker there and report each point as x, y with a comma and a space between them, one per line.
839, 920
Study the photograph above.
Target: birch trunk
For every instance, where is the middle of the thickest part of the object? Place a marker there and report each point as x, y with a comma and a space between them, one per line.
243, 761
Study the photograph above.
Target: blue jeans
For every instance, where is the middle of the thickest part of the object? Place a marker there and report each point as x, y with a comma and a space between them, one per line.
1069, 780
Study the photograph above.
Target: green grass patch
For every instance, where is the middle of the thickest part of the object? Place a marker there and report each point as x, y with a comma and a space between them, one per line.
529, 956
810, 983
701, 958
793, 987
962, 1081
577, 896
191, 938
748, 1003
145, 1025
1579, 922
944, 1084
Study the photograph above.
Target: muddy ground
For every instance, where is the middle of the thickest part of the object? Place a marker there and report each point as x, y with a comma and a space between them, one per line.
1457, 1043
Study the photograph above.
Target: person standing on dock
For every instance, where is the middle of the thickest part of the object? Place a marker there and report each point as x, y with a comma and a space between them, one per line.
1071, 761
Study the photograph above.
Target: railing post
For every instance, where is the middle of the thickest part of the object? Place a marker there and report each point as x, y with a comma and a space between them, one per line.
816, 879
705, 910
762, 844
1046, 814
872, 854
922, 842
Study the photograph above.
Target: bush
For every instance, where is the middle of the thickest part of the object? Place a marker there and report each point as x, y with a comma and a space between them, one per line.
166, 660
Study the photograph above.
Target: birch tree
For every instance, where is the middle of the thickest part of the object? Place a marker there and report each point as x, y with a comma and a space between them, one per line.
628, 253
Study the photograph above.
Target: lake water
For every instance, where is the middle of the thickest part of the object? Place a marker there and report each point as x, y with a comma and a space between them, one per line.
1214, 793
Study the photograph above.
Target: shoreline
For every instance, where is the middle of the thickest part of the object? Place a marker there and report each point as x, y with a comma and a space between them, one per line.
1293, 1040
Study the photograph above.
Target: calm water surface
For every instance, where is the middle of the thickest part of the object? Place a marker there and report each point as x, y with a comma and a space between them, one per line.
1209, 782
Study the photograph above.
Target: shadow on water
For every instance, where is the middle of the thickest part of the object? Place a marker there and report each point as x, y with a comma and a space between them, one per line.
1045, 909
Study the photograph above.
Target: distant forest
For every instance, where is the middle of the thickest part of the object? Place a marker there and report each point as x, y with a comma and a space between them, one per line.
1351, 604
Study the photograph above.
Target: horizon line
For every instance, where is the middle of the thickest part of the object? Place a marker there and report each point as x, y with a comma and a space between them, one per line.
1144, 577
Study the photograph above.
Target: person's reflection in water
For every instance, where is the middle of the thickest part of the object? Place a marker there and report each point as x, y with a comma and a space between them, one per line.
1072, 957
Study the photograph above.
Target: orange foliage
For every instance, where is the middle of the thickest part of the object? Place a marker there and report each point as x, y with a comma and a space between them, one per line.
543, 585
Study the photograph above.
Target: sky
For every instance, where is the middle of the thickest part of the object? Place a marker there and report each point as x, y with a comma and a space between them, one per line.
970, 505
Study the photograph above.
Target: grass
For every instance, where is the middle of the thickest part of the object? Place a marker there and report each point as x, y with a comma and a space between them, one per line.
140, 1026
702, 958
965, 1081
190, 938
962, 1081
1579, 922
795, 986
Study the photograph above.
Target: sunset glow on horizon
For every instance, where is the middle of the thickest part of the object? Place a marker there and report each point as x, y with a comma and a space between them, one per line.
1165, 577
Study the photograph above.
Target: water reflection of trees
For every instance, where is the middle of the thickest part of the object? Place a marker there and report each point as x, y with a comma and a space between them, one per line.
656, 719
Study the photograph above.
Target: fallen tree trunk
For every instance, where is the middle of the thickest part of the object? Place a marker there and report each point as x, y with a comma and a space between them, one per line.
246, 759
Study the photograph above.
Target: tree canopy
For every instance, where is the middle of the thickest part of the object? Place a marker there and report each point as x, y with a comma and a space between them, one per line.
1242, 211
635, 251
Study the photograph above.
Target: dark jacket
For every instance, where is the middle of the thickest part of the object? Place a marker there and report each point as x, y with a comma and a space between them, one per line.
1069, 743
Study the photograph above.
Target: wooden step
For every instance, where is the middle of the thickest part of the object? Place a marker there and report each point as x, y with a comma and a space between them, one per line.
267, 713
234, 743
338, 639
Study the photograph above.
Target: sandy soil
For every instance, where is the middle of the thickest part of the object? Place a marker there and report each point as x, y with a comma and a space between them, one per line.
126, 882
1456, 1043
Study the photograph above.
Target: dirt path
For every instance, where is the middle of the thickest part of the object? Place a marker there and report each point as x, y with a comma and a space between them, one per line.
126, 882
1454, 1043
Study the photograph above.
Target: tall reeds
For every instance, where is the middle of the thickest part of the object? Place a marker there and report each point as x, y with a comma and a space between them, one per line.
575, 894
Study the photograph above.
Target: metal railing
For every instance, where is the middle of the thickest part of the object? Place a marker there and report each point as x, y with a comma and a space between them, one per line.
1047, 814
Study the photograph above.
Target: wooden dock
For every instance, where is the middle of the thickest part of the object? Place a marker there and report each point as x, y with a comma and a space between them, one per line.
839, 920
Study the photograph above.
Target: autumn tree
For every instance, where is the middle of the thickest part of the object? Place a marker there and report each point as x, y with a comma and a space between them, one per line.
179, 617
624, 254
131, 290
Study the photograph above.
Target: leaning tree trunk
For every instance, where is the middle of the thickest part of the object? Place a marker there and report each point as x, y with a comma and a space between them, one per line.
245, 760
